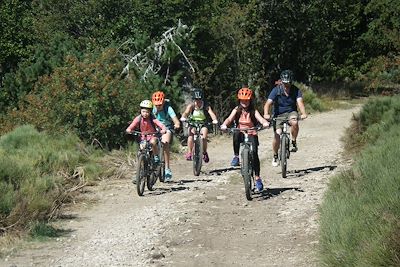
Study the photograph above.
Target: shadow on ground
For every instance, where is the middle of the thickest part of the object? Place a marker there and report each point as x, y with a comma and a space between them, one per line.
222, 170
175, 186
273, 192
303, 172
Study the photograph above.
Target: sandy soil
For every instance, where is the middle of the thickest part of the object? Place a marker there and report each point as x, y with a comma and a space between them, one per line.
205, 220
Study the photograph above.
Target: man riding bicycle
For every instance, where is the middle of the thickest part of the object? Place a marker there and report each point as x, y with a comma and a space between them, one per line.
286, 98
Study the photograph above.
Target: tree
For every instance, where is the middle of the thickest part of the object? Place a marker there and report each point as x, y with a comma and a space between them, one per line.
16, 34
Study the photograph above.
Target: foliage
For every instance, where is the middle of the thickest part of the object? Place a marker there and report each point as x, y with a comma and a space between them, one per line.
376, 117
42, 62
311, 101
361, 209
36, 173
85, 96
383, 75
40, 230
16, 31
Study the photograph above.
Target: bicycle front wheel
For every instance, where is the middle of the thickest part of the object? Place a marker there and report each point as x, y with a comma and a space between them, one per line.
246, 172
284, 154
197, 156
161, 166
151, 180
140, 174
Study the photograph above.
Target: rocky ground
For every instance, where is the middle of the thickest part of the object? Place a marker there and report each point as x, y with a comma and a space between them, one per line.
205, 220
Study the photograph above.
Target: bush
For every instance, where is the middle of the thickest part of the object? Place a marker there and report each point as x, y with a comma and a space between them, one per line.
311, 100
88, 97
36, 170
360, 214
376, 117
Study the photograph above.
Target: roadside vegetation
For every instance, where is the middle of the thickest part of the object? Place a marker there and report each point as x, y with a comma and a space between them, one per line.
360, 214
39, 173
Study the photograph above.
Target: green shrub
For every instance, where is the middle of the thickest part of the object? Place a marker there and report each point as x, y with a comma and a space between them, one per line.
86, 96
7, 198
36, 169
311, 100
376, 117
360, 214
41, 230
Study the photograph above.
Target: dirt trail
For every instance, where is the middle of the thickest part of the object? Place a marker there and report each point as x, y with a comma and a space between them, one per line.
206, 220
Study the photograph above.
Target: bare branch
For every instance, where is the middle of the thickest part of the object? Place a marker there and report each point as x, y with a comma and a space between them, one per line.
149, 62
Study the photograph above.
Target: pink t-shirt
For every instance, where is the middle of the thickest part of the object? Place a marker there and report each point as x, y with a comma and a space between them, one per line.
246, 122
146, 126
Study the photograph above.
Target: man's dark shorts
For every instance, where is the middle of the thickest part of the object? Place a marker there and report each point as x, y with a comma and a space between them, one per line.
284, 116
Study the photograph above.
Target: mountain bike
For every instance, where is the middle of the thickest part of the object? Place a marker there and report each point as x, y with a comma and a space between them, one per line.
147, 170
246, 155
197, 152
284, 146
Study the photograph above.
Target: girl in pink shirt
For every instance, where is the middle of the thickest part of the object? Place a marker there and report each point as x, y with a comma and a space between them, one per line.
246, 116
147, 124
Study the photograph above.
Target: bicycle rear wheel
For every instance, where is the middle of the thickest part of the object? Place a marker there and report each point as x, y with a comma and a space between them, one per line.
284, 154
197, 156
246, 172
140, 174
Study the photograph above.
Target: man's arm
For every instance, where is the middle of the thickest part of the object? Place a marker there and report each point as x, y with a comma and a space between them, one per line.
300, 104
267, 108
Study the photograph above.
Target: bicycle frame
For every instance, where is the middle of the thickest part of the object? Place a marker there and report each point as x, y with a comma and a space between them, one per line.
146, 169
284, 146
198, 149
246, 168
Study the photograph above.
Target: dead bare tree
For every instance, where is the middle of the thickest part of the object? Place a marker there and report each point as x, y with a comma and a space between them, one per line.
149, 61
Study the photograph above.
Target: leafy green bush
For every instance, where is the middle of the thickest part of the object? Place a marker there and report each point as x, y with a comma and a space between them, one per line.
42, 62
376, 117
88, 97
382, 74
311, 100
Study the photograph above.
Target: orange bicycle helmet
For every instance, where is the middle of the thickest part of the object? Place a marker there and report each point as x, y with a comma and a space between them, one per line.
245, 94
158, 98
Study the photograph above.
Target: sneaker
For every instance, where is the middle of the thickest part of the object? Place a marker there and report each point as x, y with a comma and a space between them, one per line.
235, 161
205, 157
156, 159
294, 146
188, 156
168, 175
275, 161
259, 185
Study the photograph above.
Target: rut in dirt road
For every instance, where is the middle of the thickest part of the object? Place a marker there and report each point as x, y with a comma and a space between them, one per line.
206, 220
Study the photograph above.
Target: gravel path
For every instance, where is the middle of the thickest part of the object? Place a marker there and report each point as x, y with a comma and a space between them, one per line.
205, 220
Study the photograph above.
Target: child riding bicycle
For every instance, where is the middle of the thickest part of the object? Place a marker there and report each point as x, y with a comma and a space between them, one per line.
246, 116
166, 115
198, 110
146, 123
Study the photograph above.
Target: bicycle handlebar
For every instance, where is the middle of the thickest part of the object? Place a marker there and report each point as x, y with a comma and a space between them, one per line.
286, 120
196, 123
156, 134
257, 128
